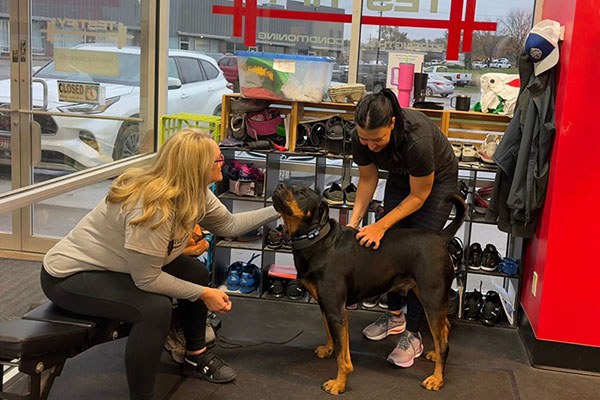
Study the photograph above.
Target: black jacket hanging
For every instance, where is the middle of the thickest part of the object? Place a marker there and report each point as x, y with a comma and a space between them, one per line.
523, 155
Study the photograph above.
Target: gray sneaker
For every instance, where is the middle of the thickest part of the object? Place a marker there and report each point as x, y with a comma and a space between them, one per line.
175, 341
175, 344
408, 348
210, 336
386, 324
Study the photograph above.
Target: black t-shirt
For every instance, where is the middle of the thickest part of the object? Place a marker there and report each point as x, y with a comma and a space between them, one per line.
424, 150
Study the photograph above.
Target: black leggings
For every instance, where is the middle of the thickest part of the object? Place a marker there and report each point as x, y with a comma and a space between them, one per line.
432, 216
113, 295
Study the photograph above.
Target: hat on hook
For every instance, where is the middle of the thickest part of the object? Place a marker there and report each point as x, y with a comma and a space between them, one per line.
541, 45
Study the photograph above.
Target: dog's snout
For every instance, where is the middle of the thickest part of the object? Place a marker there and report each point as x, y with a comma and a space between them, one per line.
281, 186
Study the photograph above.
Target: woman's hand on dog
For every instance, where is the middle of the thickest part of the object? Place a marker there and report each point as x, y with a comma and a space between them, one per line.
216, 300
370, 235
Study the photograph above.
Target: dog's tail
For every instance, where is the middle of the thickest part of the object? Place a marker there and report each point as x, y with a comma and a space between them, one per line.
459, 217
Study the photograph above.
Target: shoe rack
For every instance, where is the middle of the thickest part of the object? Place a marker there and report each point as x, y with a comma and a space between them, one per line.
459, 126
477, 175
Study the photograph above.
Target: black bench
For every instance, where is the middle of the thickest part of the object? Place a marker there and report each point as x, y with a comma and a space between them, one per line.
40, 343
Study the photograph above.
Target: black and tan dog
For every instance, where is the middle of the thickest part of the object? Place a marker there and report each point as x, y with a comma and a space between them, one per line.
337, 270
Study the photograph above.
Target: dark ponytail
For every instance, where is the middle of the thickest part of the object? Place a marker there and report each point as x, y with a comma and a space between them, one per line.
377, 109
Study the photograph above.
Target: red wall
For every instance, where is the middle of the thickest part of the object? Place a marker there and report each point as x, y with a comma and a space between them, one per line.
566, 250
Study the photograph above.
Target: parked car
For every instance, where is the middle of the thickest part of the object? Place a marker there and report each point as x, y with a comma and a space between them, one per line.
373, 76
500, 63
215, 56
458, 78
195, 85
478, 65
337, 74
229, 66
437, 84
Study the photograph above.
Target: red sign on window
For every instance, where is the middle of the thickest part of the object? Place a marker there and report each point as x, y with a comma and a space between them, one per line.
455, 24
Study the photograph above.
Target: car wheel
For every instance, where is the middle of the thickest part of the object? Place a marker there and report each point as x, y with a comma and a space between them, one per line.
444, 94
378, 87
128, 141
428, 92
217, 110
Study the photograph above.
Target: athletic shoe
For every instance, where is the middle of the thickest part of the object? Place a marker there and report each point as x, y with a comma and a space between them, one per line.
275, 237
386, 324
475, 254
490, 258
455, 248
408, 348
334, 194
492, 309
350, 194
210, 336
175, 344
383, 301
294, 289
473, 303
370, 302
209, 367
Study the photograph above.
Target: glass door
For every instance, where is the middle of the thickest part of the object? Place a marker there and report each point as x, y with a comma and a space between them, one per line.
74, 80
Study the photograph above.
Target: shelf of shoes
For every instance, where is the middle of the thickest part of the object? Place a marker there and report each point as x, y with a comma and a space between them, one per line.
459, 126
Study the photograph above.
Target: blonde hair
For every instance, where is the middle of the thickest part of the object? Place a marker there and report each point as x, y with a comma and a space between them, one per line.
175, 185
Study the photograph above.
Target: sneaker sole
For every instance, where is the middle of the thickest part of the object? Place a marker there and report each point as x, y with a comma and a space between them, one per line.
408, 363
191, 374
394, 331
335, 202
488, 269
474, 268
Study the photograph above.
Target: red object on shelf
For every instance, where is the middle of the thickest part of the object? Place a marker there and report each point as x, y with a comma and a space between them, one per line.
282, 271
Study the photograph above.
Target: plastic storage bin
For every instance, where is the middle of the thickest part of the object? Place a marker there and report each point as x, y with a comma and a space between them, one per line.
283, 76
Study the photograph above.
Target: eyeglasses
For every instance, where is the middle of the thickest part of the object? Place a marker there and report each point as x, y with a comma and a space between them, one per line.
220, 160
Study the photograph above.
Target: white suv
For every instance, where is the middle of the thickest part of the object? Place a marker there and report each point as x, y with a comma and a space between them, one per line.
196, 85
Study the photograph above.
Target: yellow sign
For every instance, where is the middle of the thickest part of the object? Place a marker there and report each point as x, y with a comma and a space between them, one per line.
81, 92
57, 28
86, 62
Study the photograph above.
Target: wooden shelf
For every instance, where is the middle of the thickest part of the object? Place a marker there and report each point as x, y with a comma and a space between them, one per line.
456, 125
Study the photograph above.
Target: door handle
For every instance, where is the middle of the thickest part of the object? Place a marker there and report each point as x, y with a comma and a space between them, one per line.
184, 95
45, 92
36, 142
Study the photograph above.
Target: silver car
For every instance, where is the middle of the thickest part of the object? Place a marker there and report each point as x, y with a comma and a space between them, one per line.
438, 85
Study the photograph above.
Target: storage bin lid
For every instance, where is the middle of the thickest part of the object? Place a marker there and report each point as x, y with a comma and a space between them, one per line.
295, 57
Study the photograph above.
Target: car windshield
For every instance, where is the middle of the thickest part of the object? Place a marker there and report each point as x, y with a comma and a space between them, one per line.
129, 72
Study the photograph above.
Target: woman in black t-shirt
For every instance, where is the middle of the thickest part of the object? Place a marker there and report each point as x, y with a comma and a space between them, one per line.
422, 172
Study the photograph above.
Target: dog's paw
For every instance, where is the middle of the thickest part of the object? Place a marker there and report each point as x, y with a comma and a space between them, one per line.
432, 356
433, 382
333, 387
324, 351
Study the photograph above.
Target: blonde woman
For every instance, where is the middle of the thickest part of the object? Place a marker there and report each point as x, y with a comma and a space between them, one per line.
127, 259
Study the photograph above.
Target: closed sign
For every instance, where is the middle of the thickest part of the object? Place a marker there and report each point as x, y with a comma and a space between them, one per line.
79, 92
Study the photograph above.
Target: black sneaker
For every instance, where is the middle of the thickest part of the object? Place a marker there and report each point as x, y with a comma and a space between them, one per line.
490, 258
209, 367
473, 304
294, 289
492, 309
475, 254
370, 302
455, 248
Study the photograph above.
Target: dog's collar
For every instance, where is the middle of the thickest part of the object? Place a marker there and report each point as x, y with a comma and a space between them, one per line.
310, 238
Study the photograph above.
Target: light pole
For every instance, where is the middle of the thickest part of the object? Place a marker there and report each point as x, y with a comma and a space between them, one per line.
378, 40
